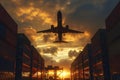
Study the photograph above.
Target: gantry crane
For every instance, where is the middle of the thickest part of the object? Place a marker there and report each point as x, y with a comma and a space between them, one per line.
55, 70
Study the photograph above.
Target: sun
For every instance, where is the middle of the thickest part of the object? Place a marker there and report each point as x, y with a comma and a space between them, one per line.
65, 74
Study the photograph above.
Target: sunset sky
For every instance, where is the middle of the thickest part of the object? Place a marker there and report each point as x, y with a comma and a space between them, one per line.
34, 15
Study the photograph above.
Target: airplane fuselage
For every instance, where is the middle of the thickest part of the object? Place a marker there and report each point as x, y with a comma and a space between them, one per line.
59, 22
59, 19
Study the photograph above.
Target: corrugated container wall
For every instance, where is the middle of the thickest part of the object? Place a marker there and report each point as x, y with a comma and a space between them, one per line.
8, 42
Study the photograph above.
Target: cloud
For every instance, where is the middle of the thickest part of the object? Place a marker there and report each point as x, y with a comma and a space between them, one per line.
51, 50
29, 31
89, 14
49, 37
65, 63
40, 14
35, 15
73, 53
46, 37
48, 60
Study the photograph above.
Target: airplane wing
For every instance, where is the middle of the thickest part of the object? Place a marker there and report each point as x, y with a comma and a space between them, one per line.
45, 31
72, 31
60, 42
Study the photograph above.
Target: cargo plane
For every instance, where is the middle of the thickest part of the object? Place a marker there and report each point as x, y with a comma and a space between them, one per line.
59, 29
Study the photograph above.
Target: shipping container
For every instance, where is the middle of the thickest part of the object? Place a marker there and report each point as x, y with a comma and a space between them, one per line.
113, 33
8, 20
114, 18
8, 42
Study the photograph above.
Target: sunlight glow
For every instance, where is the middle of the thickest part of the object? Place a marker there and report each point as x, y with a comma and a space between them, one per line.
60, 74
37, 74
26, 74
31, 13
51, 73
64, 74
87, 34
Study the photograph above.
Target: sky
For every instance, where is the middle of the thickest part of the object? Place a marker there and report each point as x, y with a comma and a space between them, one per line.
35, 15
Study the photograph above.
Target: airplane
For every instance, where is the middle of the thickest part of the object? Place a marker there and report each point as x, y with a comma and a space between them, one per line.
59, 29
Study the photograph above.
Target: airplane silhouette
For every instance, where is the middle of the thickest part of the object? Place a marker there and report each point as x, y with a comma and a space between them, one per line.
59, 29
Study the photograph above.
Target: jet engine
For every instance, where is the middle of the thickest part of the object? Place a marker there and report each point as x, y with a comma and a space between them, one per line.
67, 27
52, 27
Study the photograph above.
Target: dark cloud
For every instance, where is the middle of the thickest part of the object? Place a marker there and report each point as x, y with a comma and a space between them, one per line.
65, 63
51, 50
48, 60
108, 7
46, 37
34, 15
89, 14
73, 53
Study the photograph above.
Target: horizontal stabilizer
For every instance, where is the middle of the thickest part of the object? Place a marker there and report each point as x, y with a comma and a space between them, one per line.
60, 42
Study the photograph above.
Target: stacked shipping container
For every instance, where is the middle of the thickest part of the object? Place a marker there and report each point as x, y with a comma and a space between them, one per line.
18, 59
8, 43
113, 33
105, 46
81, 68
23, 57
29, 63
100, 56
